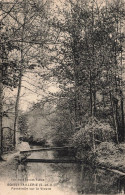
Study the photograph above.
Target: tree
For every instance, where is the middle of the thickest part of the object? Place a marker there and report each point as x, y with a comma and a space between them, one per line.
8, 72
29, 15
87, 60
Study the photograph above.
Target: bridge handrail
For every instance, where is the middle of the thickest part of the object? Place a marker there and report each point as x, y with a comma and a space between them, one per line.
46, 149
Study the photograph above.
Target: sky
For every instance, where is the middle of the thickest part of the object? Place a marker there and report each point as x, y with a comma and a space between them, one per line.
31, 92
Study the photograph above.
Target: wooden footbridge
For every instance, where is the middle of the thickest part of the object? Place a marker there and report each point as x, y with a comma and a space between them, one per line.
47, 149
68, 148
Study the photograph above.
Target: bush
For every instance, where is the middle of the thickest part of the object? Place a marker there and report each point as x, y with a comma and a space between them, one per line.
106, 149
121, 147
92, 134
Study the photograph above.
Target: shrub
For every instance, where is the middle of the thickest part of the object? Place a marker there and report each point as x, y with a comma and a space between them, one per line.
92, 134
106, 148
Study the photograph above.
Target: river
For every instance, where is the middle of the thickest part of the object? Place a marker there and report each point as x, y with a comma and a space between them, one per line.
70, 178
58, 178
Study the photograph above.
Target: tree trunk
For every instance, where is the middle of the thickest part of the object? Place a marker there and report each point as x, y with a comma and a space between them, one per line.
17, 108
1, 110
91, 101
94, 97
114, 118
122, 132
20, 77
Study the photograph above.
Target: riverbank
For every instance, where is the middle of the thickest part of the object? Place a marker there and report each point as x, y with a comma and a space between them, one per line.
107, 155
112, 162
8, 166
111, 156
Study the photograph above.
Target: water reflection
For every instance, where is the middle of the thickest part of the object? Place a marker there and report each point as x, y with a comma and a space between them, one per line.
76, 178
22, 171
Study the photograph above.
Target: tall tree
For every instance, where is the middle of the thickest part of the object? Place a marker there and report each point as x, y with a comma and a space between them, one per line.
28, 20
88, 58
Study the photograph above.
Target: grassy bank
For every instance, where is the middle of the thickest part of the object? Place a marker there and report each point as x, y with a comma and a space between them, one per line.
113, 158
96, 143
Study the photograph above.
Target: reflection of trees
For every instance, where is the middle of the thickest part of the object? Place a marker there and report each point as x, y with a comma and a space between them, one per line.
99, 181
85, 179
121, 184
67, 153
21, 171
67, 175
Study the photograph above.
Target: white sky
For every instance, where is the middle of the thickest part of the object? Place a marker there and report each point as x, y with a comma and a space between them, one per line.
30, 92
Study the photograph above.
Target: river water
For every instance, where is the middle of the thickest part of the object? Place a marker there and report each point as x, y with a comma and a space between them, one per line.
69, 178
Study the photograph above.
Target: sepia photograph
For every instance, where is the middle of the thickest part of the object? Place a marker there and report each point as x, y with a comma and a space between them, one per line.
62, 97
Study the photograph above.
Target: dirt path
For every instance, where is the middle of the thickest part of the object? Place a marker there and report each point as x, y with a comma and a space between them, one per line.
8, 167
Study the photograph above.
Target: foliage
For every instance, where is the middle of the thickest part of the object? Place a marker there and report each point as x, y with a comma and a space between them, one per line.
64, 118
92, 134
88, 61
83, 54
111, 155
23, 123
121, 147
106, 149
9, 66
